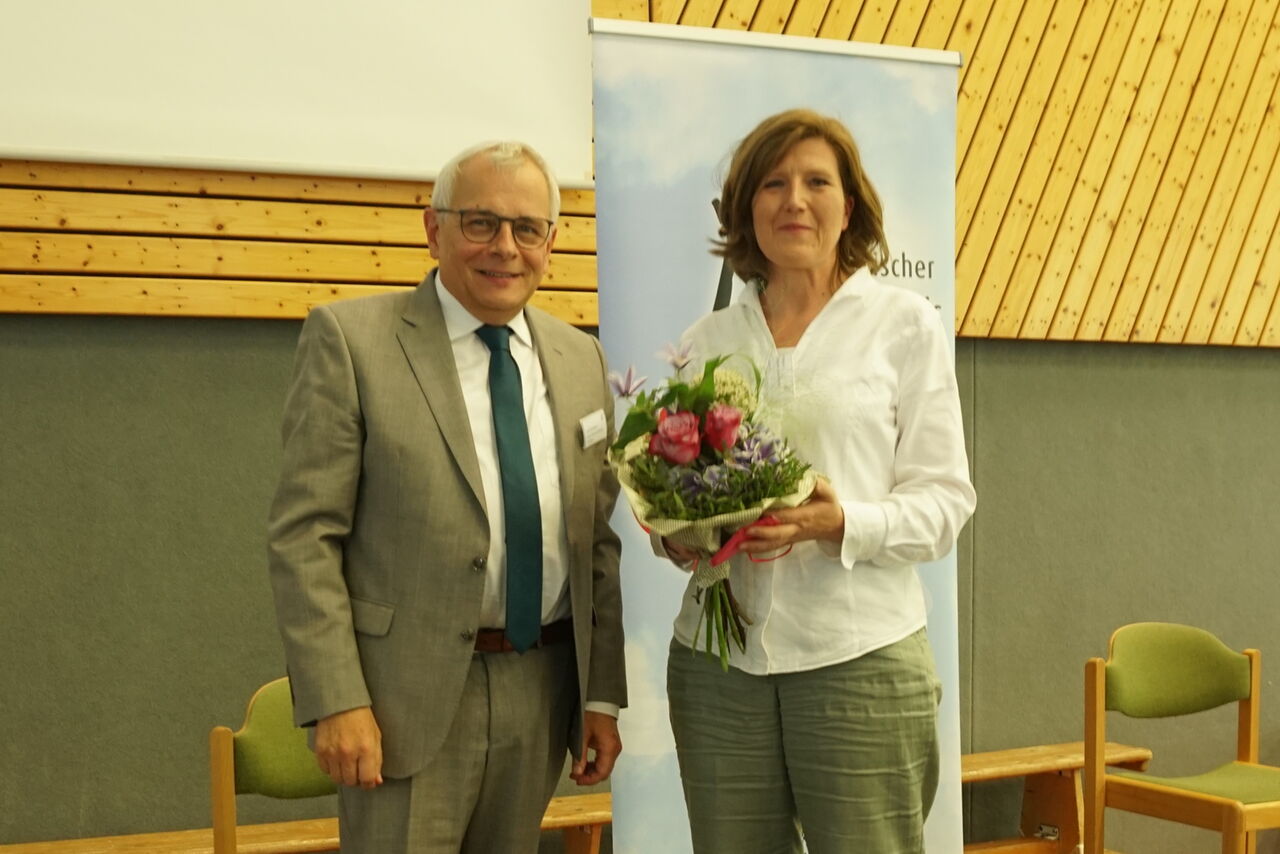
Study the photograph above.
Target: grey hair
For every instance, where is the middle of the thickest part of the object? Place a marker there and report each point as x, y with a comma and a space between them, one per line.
504, 155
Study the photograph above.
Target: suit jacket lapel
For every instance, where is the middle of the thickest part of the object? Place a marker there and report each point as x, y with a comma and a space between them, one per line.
559, 376
425, 341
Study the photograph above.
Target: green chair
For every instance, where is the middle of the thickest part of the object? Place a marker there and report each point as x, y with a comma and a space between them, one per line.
1160, 670
268, 755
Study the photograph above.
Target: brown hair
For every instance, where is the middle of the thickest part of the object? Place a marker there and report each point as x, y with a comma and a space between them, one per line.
862, 244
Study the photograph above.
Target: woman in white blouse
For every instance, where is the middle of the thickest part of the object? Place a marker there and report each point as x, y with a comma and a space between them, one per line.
825, 726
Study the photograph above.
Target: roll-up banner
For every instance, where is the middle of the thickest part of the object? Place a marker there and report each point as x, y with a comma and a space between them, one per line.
671, 104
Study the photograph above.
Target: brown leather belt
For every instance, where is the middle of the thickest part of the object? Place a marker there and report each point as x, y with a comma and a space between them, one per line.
495, 640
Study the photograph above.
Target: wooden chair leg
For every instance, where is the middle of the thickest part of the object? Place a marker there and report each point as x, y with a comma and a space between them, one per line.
584, 839
222, 787
1233, 835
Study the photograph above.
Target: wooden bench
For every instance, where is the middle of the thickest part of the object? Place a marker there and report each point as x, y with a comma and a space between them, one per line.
1051, 813
581, 818
1052, 795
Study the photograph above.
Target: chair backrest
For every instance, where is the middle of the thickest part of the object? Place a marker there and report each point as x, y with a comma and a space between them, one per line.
271, 754
1158, 670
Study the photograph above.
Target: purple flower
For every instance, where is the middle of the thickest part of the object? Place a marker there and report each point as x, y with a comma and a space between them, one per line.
716, 478
754, 450
687, 481
626, 385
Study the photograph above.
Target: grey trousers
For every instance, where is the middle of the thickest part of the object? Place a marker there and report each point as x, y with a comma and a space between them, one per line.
488, 787
846, 755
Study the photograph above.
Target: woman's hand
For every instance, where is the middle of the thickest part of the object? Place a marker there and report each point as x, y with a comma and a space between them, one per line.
819, 518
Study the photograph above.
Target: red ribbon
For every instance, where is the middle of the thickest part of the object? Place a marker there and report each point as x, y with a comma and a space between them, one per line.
734, 544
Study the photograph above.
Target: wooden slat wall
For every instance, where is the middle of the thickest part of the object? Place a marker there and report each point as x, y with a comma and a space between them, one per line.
1116, 159
1117, 181
89, 239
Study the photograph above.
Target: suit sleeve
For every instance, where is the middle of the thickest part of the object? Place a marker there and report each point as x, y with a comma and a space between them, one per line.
310, 520
608, 677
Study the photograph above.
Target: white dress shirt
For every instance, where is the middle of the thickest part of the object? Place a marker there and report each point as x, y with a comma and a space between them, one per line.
471, 357
868, 397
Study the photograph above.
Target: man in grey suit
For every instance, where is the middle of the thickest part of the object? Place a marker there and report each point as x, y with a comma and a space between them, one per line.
445, 577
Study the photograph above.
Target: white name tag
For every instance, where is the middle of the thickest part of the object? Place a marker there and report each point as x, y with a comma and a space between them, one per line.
594, 428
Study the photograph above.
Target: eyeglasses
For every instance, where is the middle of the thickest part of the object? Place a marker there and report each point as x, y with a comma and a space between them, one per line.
483, 226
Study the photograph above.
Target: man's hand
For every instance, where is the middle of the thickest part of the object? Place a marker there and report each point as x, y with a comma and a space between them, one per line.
349, 748
600, 735
679, 553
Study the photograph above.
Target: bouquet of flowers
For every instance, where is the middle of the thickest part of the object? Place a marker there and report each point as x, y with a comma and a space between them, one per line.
697, 469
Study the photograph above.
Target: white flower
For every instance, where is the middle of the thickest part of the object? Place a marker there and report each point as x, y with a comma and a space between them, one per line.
626, 385
735, 389
677, 356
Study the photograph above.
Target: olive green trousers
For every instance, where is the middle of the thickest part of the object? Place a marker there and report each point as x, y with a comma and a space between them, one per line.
844, 757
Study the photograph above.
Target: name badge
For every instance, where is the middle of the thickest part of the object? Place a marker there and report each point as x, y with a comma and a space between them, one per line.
593, 428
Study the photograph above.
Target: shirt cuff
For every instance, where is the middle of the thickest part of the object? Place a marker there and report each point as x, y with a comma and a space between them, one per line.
865, 526
610, 709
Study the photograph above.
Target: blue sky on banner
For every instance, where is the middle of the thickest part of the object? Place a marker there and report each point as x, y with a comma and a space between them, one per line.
670, 169
667, 116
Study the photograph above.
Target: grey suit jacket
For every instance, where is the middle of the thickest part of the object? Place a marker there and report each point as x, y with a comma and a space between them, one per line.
378, 532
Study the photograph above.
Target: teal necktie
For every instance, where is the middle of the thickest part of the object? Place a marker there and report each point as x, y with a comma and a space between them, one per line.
521, 514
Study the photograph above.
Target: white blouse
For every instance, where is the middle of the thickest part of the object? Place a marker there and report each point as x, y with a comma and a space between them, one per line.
868, 397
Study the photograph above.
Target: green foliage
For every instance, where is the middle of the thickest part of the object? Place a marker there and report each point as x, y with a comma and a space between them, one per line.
655, 478
639, 420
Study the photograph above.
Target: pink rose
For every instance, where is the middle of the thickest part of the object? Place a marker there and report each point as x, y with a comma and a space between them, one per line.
723, 421
676, 440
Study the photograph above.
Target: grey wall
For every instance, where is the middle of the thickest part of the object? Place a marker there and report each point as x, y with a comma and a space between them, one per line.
135, 471
137, 457
1116, 483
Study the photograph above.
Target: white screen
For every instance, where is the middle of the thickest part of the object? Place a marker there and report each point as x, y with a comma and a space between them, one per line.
359, 87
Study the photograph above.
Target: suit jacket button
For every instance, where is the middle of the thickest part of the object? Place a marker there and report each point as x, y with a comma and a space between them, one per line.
477, 565
467, 635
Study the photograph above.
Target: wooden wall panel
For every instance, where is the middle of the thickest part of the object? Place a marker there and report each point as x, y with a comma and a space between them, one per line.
806, 17
1156, 189
904, 26
1115, 150
771, 16
1116, 181
1020, 162
873, 21
1198, 155
56, 294
1147, 223
736, 14
1220, 188
1058, 148
1251, 282
1088, 134
86, 239
978, 76
662, 11
204, 216
838, 22
700, 13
